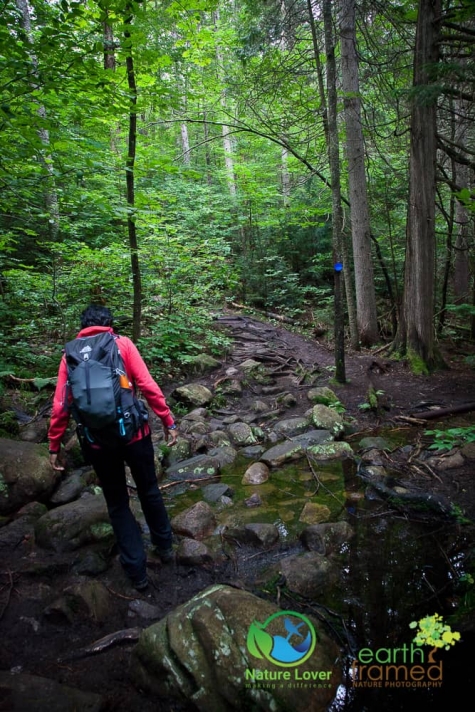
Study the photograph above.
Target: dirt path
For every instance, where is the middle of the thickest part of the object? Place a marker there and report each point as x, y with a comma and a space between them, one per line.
298, 362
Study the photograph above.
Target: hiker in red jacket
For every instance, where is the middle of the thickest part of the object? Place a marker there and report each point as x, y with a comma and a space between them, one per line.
109, 461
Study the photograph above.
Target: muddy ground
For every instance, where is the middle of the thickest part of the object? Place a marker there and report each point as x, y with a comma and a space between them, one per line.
35, 644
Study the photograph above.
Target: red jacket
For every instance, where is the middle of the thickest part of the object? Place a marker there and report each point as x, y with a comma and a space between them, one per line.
138, 375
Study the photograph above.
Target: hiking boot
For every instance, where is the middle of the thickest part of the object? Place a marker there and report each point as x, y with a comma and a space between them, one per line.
141, 585
166, 556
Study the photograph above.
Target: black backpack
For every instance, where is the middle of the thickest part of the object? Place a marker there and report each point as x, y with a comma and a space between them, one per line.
103, 402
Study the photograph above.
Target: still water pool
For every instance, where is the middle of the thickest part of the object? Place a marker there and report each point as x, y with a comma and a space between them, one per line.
400, 567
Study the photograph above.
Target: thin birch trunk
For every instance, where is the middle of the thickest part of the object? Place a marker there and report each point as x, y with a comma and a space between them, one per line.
50, 192
227, 138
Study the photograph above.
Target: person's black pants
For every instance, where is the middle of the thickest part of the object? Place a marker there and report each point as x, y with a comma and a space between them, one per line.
109, 465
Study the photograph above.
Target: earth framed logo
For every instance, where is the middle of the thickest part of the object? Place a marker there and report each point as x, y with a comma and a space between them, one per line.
292, 644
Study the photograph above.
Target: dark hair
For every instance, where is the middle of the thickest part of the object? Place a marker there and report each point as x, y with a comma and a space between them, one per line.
96, 315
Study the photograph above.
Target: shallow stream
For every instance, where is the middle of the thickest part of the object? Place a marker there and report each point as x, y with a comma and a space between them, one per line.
400, 567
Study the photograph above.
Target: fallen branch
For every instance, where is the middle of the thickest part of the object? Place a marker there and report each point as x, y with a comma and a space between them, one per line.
314, 475
408, 419
128, 635
120, 595
18, 380
189, 482
442, 412
381, 349
402, 500
431, 471
320, 483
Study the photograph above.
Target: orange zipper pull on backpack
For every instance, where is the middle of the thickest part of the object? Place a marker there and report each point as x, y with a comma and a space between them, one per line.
124, 381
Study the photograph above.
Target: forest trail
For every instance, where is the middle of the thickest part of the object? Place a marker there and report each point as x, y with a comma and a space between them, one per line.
298, 361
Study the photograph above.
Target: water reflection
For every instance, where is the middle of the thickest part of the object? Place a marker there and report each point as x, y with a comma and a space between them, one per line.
399, 568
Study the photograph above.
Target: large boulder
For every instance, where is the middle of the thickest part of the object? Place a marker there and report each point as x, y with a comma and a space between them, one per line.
310, 575
193, 394
331, 451
30, 692
22, 527
291, 426
199, 467
325, 418
256, 474
196, 522
283, 453
25, 474
254, 534
208, 652
73, 525
241, 434
327, 538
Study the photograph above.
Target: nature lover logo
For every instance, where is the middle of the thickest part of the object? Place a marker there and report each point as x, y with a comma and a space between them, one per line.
287, 640
292, 648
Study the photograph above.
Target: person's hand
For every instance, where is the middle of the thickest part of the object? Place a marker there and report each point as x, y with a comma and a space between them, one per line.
171, 436
54, 461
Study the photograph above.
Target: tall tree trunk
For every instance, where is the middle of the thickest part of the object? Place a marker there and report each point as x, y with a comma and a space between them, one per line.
318, 66
284, 153
416, 333
462, 217
227, 138
130, 177
109, 45
50, 191
109, 63
185, 143
181, 82
449, 218
366, 316
348, 279
285, 175
337, 212
207, 152
228, 154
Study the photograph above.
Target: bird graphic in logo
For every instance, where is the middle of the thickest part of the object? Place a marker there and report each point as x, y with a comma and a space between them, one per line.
288, 650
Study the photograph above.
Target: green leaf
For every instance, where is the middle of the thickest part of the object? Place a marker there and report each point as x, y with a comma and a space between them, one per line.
259, 643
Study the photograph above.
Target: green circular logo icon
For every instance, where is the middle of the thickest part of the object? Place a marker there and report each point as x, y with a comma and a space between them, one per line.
291, 642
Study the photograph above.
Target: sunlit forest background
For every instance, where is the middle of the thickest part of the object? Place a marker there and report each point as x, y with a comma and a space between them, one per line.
168, 159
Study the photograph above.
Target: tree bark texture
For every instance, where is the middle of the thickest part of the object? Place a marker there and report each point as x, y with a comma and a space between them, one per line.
50, 191
228, 145
366, 315
463, 126
130, 180
109, 46
416, 333
337, 212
